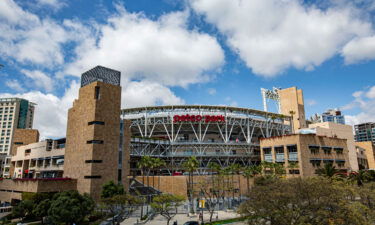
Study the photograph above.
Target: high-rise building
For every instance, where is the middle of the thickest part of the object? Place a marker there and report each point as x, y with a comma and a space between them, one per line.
365, 132
331, 115
15, 113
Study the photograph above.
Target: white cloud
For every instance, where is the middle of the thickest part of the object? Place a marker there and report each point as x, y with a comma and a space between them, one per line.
40, 79
28, 38
15, 85
211, 91
136, 94
311, 102
271, 36
161, 50
51, 111
54, 4
365, 102
359, 49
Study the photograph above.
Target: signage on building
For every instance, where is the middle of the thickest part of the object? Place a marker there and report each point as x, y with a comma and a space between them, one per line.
198, 118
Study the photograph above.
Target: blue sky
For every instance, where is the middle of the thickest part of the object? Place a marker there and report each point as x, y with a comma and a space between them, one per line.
216, 52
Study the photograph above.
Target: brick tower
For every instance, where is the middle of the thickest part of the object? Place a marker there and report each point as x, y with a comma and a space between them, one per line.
93, 153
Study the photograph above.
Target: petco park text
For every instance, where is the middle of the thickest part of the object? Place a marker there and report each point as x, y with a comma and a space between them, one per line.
198, 118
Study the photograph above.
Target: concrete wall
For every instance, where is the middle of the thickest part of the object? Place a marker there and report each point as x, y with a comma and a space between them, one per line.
291, 99
178, 184
13, 188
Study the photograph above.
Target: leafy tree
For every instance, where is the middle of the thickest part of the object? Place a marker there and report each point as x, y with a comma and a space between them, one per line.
191, 165
111, 189
166, 205
70, 207
41, 209
212, 189
311, 201
121, 205
23, 209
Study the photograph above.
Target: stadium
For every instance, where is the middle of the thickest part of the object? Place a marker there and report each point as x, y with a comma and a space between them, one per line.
220, 134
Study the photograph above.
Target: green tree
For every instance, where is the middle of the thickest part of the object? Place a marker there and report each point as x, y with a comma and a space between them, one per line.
70, 207
191, 165
41, 209
250, 172
313, 201
360, 177
111, 189
166, 205
121, 205
23, 209
328, 170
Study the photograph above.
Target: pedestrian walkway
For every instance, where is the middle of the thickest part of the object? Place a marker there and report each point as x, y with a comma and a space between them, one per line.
182, 218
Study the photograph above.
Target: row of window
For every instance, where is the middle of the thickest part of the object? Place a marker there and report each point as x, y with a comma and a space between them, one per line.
6, 117
315, 149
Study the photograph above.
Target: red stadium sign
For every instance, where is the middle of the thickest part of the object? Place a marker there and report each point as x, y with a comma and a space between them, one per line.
198, 118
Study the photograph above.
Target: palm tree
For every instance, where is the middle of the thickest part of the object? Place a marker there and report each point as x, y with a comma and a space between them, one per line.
360, 177
159, 163
191, 166
142, 165
328, 170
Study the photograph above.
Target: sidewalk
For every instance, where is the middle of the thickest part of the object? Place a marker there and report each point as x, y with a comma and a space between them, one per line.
182, 218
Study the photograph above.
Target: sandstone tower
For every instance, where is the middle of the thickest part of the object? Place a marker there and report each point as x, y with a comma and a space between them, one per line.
95, 147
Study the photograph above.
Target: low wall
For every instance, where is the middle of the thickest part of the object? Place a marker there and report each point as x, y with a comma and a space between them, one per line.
178, 184
13, 188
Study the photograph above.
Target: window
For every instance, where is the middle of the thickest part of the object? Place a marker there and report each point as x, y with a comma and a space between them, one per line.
340, 150
327, 150
97, 92
96, 122
314, 149
119, 175
92, 177
18, 143
293, 171
279, 149
93, 161
267, 151
95, 142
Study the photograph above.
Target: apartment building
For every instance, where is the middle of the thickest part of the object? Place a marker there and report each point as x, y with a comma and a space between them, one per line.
331, 115
308, 152
43, 159
365, 132
366, 154
15, 113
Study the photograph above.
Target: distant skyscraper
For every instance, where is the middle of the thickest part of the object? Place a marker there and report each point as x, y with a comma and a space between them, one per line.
15, 113
331, 115
365, 132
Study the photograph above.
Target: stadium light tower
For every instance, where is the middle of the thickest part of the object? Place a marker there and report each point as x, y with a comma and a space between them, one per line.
271, 95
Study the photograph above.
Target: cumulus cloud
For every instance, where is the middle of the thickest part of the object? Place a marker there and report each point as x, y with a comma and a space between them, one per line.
138, 94
40, 79
271, 36
359, 49
28, 38
15, 85
161, 50
365, 102
51, 111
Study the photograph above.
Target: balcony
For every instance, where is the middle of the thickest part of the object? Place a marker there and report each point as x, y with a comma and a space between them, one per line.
280, 157
293, 156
